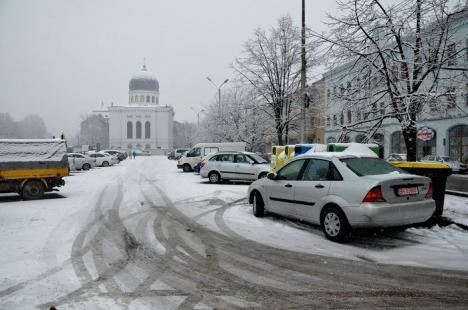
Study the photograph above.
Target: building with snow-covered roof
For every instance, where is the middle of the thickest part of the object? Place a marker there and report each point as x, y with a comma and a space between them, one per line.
142, 123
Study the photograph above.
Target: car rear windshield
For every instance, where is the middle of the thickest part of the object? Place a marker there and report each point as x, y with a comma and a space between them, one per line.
258, 159
370, 166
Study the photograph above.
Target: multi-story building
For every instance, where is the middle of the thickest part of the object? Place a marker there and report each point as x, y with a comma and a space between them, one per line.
442, 124
143, 123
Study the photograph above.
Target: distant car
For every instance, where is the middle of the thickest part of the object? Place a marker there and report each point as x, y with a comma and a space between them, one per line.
115, 159
102, 160
242, 166
396, 157
177, 153
140, 152
342, 191
452, 163
120, 155
79, 161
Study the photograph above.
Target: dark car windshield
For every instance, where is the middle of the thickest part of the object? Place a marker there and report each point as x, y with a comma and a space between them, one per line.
370, 166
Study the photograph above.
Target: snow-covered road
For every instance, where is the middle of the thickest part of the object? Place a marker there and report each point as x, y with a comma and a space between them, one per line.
143, 235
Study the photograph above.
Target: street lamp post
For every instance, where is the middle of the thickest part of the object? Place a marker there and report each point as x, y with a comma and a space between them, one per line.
198, 115
219, 90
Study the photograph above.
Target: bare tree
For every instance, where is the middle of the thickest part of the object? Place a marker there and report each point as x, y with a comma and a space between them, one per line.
400, 60
271, 64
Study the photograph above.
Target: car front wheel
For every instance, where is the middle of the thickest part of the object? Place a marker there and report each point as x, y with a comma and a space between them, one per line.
105, 163
335, 225
186, 168
86, 167
258, 206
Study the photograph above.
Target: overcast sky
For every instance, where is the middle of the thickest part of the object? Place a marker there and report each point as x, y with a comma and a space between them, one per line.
61, 59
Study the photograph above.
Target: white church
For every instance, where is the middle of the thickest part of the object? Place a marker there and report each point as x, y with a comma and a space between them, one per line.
142, 124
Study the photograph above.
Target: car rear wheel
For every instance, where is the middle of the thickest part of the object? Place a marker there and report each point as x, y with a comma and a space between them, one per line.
258, 206
32, 190
335, 225
214, 177
105, 163
86, 167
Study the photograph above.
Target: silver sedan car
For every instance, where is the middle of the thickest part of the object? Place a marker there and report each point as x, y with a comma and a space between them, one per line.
342, 191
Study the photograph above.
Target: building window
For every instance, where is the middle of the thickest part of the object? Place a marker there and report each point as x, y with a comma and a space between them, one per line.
153, 99
451, 54
382, 108
398, 143
138, 130
451, 98
129, 130
142, 98
358, 116
148, 99
334, 120
328, 121
341, 118
147, 130
458, 143
349, 116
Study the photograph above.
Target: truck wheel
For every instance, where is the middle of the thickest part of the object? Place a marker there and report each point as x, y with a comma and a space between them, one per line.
86, 167
105, 163
32, 190
186, 168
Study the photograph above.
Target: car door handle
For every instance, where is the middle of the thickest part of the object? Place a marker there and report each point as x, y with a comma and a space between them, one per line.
319, 186
288, 185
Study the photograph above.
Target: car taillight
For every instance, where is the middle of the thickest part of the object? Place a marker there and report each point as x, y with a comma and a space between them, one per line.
430, 191
202, 164
374, 195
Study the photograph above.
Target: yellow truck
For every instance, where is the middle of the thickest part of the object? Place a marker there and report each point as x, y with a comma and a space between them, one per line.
32, 167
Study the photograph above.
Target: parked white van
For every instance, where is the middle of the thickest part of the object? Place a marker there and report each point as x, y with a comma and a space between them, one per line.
200, 150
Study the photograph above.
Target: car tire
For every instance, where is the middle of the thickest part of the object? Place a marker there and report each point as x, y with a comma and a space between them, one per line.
86, 167
258, 206
186, 168
262, 175
214, 177
32, 190
335, 225
105, 163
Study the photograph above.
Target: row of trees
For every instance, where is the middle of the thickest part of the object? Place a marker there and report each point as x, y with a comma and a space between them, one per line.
30, 127
401, 57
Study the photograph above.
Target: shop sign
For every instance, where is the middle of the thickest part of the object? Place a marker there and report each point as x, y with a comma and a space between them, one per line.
425, 134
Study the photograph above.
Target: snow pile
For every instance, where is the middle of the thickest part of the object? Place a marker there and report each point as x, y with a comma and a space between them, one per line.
360, 150
23, 150
456, 208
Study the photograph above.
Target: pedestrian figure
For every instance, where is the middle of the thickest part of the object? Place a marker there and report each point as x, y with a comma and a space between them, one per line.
134, 154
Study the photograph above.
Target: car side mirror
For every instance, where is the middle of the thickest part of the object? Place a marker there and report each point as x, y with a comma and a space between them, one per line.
271, 176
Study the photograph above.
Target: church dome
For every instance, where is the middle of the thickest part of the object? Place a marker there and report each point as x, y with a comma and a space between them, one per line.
144, 80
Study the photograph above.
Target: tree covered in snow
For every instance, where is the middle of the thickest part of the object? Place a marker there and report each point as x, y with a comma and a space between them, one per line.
31, 126
270, 64
238, 118
400, 59
185, 134
94, 131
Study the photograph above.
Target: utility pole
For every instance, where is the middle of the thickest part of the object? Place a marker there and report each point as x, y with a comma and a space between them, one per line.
303, 76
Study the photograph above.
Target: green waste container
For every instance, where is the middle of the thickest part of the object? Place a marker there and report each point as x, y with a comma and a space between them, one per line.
438, 174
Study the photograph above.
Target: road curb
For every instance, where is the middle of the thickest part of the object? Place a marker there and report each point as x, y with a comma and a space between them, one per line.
455, 193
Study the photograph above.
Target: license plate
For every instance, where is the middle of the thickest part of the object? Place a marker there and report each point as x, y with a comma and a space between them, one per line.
405, 191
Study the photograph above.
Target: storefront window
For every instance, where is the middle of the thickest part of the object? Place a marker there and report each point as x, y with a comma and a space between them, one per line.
398, 143
458, 143
426, 142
